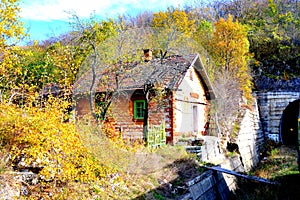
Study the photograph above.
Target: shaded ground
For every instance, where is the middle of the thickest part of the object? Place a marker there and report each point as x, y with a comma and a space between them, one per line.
171, 180
288, 189
156, 174
281, 166
163, 175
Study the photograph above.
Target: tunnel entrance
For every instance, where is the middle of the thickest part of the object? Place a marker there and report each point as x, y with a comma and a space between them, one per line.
289, 124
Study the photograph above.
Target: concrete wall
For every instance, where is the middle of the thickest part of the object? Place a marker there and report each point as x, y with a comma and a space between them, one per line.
210, 150
208, 186
271, 107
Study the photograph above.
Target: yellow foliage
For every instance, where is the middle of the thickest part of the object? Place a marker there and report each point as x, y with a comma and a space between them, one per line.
230, 49
11, 28
12, 31
175, 20
37, 138
66, 60
76, 160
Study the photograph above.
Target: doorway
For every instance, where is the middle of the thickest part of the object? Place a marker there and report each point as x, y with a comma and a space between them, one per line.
289, 124
195, 119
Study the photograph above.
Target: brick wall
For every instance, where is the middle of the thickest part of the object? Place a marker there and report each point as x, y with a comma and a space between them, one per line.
133, 129
122, 108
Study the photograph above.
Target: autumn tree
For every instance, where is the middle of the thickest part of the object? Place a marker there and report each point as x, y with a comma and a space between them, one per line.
274, 40
173, 25
121, 59
230, 50
117, 51
88, 35
11, 27
117, 54
273, 35
141, 20
174, 19
12, 31
228, 47
65, 59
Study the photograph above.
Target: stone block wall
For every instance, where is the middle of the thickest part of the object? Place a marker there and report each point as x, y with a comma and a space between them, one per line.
213, 185
210, 185
257, 124
210, 151
250, 141
216, 185
271, 106
250, 138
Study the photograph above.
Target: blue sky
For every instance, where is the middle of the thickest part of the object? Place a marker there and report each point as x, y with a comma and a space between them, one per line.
47, 18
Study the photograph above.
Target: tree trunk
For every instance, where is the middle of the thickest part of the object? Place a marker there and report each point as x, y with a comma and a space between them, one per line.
145, 124
146, 112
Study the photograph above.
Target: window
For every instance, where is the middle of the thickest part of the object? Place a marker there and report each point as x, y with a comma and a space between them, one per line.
139, 109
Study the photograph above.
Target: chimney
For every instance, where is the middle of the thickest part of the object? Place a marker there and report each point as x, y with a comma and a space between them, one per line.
147, 55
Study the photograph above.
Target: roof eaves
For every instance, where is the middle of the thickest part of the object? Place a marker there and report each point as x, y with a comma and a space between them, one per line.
200, 68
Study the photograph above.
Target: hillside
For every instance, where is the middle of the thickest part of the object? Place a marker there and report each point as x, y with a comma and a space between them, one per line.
47, 153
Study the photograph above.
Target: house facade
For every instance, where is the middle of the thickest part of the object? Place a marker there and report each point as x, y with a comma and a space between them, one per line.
177, 99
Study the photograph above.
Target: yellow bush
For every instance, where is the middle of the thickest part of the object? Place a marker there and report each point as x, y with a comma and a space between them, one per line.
38, 138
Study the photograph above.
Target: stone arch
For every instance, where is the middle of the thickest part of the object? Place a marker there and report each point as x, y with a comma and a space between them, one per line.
271, 107
289, 124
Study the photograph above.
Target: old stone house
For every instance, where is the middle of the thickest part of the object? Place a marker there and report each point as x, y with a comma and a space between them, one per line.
173, 93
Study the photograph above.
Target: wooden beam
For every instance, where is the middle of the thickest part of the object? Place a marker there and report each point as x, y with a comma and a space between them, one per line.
195, 102
253, 178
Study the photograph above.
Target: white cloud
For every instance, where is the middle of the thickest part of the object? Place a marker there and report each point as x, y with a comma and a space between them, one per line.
46, 10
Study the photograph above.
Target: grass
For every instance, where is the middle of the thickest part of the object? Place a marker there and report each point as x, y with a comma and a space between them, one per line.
2, 162
281, 161
137, 170
280, 166
82, 160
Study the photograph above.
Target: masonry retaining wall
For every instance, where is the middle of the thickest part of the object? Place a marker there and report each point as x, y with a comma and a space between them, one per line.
250, 141
260, 123
212, 185
271, 107
250, 138
216, 185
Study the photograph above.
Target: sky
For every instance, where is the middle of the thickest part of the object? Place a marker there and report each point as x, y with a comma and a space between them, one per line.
50, 18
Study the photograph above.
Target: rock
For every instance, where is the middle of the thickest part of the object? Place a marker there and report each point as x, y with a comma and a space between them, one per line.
27, 177
9, 189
